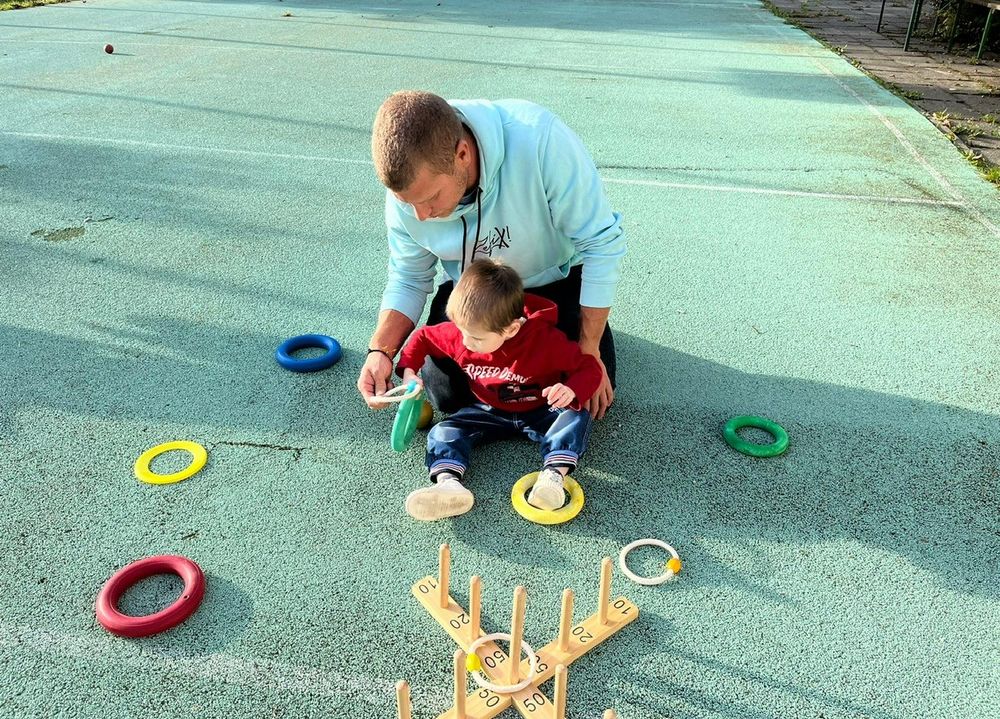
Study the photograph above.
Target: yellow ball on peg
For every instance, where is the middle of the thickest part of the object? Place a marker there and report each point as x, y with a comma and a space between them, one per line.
473, 663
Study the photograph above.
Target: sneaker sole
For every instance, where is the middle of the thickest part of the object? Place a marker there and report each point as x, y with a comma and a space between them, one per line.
549, 500
429, 506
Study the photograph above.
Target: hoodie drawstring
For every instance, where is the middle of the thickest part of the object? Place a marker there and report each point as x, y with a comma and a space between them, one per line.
465, 229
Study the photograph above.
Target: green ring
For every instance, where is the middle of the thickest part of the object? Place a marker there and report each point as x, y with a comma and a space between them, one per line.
779, 445
407, 416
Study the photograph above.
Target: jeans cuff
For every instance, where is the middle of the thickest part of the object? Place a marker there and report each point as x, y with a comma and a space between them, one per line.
446, 465
561, 458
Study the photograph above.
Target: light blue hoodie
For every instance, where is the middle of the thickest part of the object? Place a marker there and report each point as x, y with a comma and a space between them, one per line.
541, 209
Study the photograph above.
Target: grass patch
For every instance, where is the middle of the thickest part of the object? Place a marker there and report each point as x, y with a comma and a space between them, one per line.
20, 4
967, 131
891, 87
991, 173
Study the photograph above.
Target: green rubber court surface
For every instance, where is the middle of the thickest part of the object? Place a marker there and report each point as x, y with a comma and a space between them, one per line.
803, 246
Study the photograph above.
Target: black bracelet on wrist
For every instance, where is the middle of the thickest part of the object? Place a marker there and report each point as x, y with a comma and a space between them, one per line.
376, 349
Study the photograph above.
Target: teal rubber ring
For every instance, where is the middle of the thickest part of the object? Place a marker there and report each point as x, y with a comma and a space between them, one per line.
407, 416
779, 445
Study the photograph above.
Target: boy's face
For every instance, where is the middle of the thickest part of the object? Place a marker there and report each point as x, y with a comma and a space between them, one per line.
477, 339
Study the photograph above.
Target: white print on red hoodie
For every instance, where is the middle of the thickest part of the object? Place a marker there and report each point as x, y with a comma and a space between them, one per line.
512, 378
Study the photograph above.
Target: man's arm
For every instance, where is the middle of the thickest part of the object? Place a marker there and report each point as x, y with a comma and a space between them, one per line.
410, 279
593, 320
411, 270
581, 211
391, 331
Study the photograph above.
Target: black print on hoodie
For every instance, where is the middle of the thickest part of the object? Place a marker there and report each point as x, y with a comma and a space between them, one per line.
498, 238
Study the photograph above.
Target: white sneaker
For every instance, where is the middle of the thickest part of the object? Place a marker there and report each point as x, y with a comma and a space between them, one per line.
446, 498
548, 491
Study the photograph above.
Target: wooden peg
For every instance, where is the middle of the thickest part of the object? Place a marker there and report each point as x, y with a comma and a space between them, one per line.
475, 604
459, 684
444, 571
516, 630
565, 620
604, 595
610, 714
403, 699
560, 691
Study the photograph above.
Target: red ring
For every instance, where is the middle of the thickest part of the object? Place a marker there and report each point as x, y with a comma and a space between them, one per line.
126, 626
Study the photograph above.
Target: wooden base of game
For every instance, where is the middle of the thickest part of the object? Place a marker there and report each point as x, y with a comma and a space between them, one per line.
463, 626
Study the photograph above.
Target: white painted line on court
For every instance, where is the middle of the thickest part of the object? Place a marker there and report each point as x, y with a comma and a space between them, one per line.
788, 193
905, 142
973, 211
252, 672
198, 149
185, 148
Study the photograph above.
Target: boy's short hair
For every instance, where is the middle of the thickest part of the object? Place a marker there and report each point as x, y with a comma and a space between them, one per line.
412, 128
489, 294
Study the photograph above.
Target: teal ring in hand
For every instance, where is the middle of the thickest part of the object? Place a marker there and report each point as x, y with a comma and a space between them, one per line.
779, 445
407, 417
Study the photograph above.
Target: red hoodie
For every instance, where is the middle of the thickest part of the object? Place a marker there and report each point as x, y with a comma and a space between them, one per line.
512, 378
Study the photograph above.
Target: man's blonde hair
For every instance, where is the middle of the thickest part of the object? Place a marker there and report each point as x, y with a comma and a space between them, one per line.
411, 128
489, 294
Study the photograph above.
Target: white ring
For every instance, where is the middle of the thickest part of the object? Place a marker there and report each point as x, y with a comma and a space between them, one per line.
394, 395
505, 688
647, 581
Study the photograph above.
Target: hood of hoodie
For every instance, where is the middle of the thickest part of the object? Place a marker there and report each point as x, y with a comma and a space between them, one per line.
484, 120
540, 309
541, 315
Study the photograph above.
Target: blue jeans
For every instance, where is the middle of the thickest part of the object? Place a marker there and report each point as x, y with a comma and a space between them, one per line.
562, 433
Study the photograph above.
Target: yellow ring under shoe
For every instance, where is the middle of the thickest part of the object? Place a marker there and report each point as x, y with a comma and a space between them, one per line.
542, 516
143, 472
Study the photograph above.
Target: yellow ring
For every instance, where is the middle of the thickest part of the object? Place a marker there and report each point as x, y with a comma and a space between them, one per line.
542, 516
143, 472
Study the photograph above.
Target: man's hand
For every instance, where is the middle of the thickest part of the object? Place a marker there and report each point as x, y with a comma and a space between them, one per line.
605, 395
559, 395
593, 322
375, 379
391, 331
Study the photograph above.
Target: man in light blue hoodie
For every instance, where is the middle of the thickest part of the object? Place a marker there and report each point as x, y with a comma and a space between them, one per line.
507, 180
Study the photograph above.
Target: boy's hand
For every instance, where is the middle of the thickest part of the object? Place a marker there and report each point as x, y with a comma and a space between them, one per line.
559, 395
411, 376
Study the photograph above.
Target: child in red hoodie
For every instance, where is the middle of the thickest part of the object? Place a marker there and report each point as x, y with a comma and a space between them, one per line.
528, 377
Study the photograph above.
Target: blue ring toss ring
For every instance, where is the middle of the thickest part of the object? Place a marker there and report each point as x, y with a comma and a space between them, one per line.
284, 353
